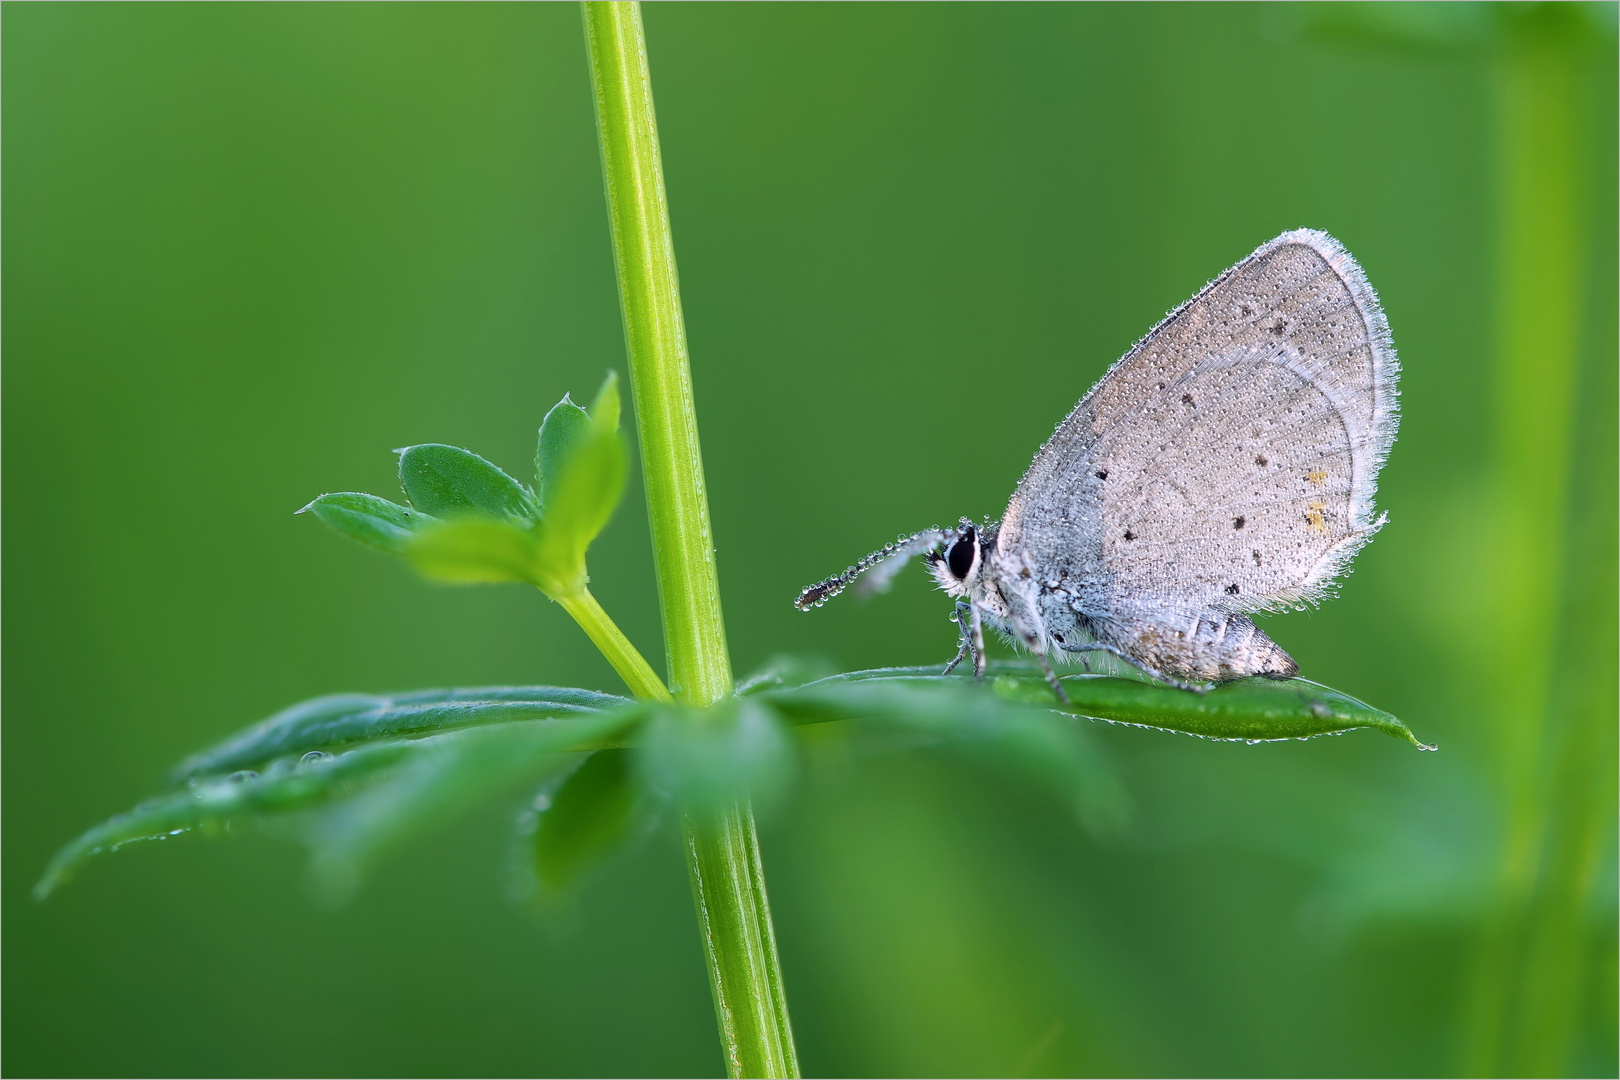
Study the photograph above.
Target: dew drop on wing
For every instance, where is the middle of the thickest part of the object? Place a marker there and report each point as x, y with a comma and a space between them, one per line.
314, 756
241, 775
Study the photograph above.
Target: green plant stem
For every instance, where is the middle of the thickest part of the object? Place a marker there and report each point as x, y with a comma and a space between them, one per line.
728, 883
655, 337
1554, 708
734, 916
632, 667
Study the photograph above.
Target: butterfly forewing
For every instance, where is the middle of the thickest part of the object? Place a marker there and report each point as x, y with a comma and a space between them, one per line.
1228, 461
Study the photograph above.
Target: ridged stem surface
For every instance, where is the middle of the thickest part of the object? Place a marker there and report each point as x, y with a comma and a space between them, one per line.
728, 881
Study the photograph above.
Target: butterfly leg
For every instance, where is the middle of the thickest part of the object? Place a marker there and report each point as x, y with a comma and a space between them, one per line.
1097, 646
1051, 676
963, 612
978, 644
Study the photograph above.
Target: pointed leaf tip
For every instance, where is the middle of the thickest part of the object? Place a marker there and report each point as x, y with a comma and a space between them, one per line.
580, 464
1250, 710
353, 781
374, 522
565, 428
605, 409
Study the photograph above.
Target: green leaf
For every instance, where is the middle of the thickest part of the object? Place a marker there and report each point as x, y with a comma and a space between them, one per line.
213, 805
361, 799
341, 720
586, 489
784, 670
473, 550
605, 409
963, 717
592, 813
446, 775
565, 428
375, 522
447, 481
708, 757
1253, 710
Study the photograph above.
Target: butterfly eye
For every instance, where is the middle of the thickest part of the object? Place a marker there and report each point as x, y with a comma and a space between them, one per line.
960, 557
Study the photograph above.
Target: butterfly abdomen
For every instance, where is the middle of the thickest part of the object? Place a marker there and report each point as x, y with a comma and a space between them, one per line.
1213, 647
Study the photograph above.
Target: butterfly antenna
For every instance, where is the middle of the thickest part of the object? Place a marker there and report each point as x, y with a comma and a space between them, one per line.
895, 555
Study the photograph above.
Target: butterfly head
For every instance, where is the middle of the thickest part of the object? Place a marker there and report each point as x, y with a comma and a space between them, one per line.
957, 563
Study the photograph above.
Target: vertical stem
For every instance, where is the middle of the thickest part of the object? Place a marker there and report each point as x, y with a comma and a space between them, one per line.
1554, 706
655, 336
728, 882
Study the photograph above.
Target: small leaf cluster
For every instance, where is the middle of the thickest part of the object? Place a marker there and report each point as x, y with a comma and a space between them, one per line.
468, 521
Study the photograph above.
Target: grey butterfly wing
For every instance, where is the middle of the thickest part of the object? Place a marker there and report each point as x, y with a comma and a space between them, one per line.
1228, 461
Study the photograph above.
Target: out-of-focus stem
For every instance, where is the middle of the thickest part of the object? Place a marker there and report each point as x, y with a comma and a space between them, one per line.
1554, 708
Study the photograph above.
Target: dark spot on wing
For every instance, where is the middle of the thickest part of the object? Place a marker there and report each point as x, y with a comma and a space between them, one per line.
1186, 399
1129, 535
1239, 521
1232, 589
1257, 558
1102, 474
1260, 460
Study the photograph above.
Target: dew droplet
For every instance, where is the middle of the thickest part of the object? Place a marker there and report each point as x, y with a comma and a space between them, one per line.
313, 756
240, 775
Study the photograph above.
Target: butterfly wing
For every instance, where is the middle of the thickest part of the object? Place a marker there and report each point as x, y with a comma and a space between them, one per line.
1228, 461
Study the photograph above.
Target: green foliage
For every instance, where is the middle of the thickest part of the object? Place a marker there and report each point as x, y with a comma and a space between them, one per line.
593, 811
361, 771
585, 485
447, 481
469, 522
562, 432
709, 758
374, 522
476, 551
350, 804
343, 720
934, 927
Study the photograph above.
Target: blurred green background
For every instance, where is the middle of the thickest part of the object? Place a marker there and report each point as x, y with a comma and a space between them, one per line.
249, 248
